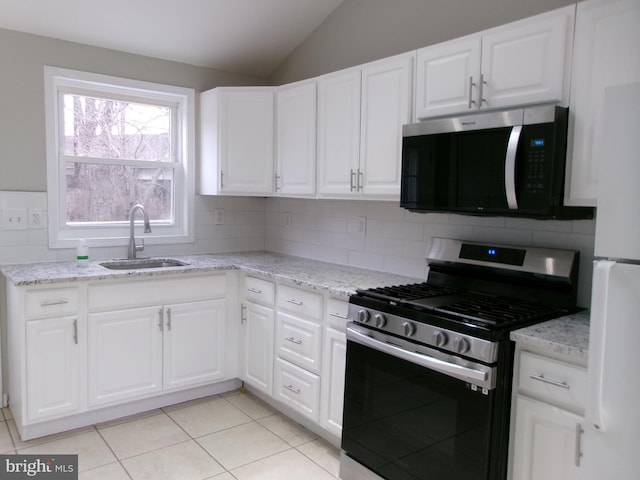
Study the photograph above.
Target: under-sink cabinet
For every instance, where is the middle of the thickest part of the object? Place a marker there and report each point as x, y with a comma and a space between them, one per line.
79, 349
547, 417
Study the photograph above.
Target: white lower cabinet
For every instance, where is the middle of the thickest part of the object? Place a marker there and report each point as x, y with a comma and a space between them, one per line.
256, 364
54, 364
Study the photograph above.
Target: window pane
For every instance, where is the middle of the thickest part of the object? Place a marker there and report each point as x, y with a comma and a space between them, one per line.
106, 128
105, 193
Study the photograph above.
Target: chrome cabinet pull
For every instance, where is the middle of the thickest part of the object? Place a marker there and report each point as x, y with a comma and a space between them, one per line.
471, 85
169, 319
48, 303
291, 388
482, 84
578, 453
243, 313
221, 180
293, 340
254, 290
295, 302
275, 182
75, 331
555, 383
339, 315
161, 319
360, 180
351, 181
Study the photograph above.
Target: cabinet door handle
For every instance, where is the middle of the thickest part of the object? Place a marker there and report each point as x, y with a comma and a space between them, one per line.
75, 331
295, 302
221, 180
481, 92
275, 182
471, 85
243, 313
360, 180
351, 181
291, 388
578, 453
555, 383
293, 340
161, 319
49, 303
339, 315
254, 290
169, 319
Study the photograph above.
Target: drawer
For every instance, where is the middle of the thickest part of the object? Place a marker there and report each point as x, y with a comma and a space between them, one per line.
299, 341
300, 301
54, 302
120, 295
336, 316
297, 388
259, 291
552, 380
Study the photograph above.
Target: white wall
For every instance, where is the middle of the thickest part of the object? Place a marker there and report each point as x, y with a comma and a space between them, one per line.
395, 240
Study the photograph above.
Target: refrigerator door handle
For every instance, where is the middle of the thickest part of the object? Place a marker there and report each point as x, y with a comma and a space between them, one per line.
598, 342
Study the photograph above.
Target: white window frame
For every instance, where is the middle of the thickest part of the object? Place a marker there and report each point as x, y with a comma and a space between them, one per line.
61, 235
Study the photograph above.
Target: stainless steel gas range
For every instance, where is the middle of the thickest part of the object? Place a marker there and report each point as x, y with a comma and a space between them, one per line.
429, 365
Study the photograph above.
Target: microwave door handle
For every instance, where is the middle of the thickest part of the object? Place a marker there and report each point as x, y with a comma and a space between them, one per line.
510, 167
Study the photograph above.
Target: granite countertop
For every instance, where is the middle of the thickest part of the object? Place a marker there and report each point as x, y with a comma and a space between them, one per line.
336, 279
568, 335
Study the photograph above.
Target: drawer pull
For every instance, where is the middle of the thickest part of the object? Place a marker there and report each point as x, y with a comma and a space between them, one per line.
161, 319
254, 290
578, 453
75, 331
555, 383
291, 388
293, 340
169, 319
339, 315
49, 303
295, 302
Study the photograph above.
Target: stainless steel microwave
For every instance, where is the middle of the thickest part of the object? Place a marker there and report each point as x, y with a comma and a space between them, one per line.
509, 163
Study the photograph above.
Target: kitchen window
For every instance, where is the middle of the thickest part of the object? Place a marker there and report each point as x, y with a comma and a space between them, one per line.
113, 143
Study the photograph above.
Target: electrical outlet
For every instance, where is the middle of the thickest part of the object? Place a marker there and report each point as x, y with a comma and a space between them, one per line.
218, 215
14, 219
37, 218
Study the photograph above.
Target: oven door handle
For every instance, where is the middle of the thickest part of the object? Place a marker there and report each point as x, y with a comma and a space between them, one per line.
477, 377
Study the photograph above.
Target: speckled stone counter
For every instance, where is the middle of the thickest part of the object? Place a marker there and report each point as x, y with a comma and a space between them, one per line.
567, 336
338, 280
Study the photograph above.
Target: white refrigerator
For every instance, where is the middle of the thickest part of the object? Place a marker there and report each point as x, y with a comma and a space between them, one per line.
611, 437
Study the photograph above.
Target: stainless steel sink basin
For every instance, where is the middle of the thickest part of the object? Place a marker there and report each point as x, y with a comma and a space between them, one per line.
142, 263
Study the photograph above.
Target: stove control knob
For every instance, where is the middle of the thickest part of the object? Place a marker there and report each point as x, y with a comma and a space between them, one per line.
381, 320
363, 316
409, 329
440, 338
461, 345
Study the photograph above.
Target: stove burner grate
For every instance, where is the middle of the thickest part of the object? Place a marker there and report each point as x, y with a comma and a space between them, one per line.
408, 292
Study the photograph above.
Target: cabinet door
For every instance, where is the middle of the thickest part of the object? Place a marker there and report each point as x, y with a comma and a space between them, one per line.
194, 343
606, 54
334, 356
296, 140
524, 63
256, 363
53, 367
298, 388
447, 77
386, 106
245, 134
125, 354
547, 442
338, 133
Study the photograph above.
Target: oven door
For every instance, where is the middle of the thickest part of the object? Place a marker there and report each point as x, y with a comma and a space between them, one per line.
409, 415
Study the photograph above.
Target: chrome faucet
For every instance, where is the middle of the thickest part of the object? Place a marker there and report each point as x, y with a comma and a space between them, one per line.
133, 247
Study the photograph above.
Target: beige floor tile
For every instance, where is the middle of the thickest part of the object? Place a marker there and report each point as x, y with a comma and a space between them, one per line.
251, 405
288, 430
223, 476
142, 435
6, 443
91, 449
289, 465
242, 444
183, 461
324, 454
203, 418
112, 471
19, 443
7, 414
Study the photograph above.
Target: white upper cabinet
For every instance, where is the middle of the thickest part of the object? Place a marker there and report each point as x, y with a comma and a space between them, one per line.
520, 63
296, 140
606, 54
237, 141
360, 116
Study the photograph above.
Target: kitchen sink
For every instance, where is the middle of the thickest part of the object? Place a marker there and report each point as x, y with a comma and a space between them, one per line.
142, 263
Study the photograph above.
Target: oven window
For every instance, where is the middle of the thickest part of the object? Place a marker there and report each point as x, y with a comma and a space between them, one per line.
407, 422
